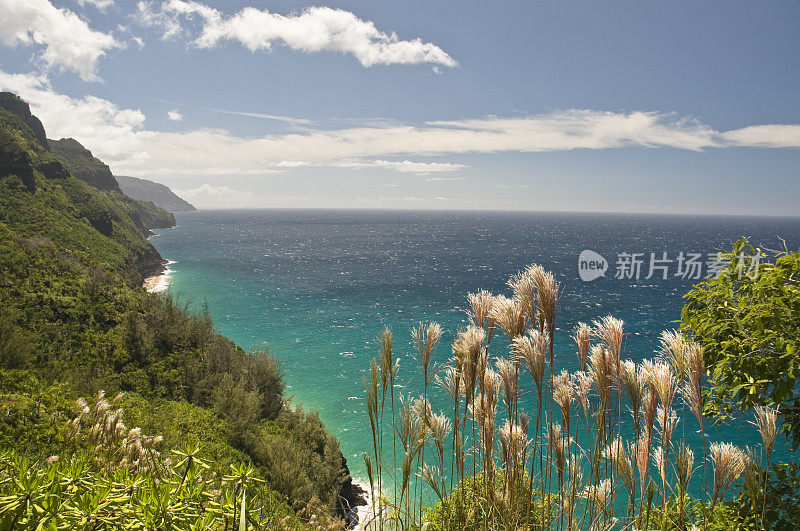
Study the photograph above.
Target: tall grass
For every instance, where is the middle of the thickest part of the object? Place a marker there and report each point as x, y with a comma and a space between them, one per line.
567, 463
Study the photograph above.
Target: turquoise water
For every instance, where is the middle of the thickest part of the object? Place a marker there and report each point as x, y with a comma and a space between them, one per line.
315, 287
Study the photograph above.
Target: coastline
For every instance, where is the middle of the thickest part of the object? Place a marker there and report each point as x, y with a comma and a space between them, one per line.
159, 283
362, 511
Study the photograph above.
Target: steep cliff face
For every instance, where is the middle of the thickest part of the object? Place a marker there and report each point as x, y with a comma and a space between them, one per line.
83, 165
40, 196
16, 105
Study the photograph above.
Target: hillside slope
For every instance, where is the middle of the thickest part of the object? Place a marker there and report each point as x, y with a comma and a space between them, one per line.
157, 193
91, 170
74, 320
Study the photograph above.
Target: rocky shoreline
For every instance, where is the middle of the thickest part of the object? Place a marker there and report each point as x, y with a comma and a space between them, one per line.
352, 496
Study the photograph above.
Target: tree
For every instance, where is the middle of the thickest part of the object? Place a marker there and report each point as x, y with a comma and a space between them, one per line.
748, 322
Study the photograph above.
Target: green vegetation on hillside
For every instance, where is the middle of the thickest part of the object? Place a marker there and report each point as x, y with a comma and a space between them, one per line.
74, 322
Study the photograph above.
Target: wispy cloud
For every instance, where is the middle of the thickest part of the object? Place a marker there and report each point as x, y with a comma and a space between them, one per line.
174, 115
403, 166
69, 43
279, 118
119, 136
443, 179
315, 29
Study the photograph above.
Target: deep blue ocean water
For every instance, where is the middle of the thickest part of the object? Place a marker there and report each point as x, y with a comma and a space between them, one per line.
315, 287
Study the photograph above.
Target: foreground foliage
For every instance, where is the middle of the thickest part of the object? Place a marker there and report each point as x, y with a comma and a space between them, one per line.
600, 448
748, 327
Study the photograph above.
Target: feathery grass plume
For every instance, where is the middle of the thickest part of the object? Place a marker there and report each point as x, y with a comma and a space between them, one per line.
583, 384
610, 331
559, 444
513, 441
440, 427
766, 422
510, 315
615, 453
467, 348
431, 475
533, 349
387, 366
601, 369
450, 381
673, 350
598, 495
684, 467
562, 394
480, 303
693, 390
406, 427
509, 379
487, 401
752, 474
575, 487
663, 380
667, 420
660, 460
582, 336
642, 464
650, 396
524, 288
423, 414
729, 462
547, 289
634, 389
425, 337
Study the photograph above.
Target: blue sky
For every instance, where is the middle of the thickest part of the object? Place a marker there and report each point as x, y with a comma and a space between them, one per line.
603, 106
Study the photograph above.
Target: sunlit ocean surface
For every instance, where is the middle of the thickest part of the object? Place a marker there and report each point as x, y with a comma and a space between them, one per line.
315, 287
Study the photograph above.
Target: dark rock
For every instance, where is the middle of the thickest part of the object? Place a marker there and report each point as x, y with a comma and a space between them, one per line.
53, 170
351, 496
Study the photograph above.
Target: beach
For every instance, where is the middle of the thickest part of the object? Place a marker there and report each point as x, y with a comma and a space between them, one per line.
159, 283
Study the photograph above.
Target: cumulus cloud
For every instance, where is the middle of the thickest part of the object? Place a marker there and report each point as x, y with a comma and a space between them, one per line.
119, 136
315, 29
69, 43
174, 115
102, 5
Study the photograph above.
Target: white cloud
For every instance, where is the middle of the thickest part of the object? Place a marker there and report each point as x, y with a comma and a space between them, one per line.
119, 137
315, 29
766, 136
403, 166
174, 115
443, 179
287, 119
102, 5
207, 191
69, 43
112, 133
139, 42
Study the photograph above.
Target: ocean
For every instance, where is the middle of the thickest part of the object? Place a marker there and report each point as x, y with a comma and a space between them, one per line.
315, 287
